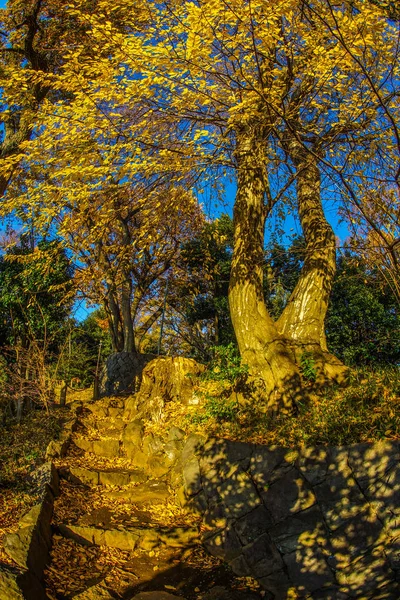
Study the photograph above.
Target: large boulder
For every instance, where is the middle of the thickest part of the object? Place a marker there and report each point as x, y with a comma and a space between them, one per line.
122, 373
164, 379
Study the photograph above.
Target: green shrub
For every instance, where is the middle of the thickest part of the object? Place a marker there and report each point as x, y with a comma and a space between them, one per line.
220, 409
307, 366
226, 365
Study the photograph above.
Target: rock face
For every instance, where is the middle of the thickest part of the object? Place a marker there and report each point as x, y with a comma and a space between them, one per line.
162, 376
59, 447
30, 545
164, 379
121, 373
323, 522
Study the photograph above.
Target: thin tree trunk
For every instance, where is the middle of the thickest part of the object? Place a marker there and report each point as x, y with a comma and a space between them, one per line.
127, 322
114, 322
261, 346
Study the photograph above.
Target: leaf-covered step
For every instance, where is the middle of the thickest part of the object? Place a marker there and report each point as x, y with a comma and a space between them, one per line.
107, 447
108, 427
107, 408
151, 492
145, 538
117, 477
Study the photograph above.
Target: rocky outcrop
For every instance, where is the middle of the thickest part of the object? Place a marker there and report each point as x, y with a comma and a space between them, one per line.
59, 447
164, 379
164, 376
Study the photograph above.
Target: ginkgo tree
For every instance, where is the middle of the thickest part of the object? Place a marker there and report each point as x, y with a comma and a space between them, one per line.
124, 235
276, 92
34, 36
125, 264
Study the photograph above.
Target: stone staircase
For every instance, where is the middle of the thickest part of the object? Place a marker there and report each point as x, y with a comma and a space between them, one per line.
141, 500
123, 525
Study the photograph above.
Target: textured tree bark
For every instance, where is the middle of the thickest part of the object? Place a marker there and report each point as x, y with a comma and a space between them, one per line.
262, 347
126, 314
303, 319
114, 321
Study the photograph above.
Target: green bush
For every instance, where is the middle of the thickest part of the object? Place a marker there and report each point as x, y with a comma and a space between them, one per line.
226, 365
221, 409
307, 366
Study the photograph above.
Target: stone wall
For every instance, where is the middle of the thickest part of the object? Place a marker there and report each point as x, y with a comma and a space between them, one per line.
121, 373
29, 547
322, 523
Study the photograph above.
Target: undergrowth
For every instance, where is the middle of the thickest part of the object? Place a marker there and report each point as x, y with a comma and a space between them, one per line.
366, 411
22, 446
22, 450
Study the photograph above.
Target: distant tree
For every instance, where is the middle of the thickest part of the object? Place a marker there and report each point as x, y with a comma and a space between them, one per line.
128, 253
87, 346
282, 268
203, 297
35, 293
363, 321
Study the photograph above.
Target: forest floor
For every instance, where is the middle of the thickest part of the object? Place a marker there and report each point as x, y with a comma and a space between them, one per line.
22, 449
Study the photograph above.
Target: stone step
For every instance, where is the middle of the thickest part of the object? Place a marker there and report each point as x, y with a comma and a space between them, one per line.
108, 432
117, 477
106, 447
151, 492
103, 409
109, 425
144, 538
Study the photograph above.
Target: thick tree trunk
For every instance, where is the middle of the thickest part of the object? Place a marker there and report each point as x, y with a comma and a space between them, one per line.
262, 347
303, 319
